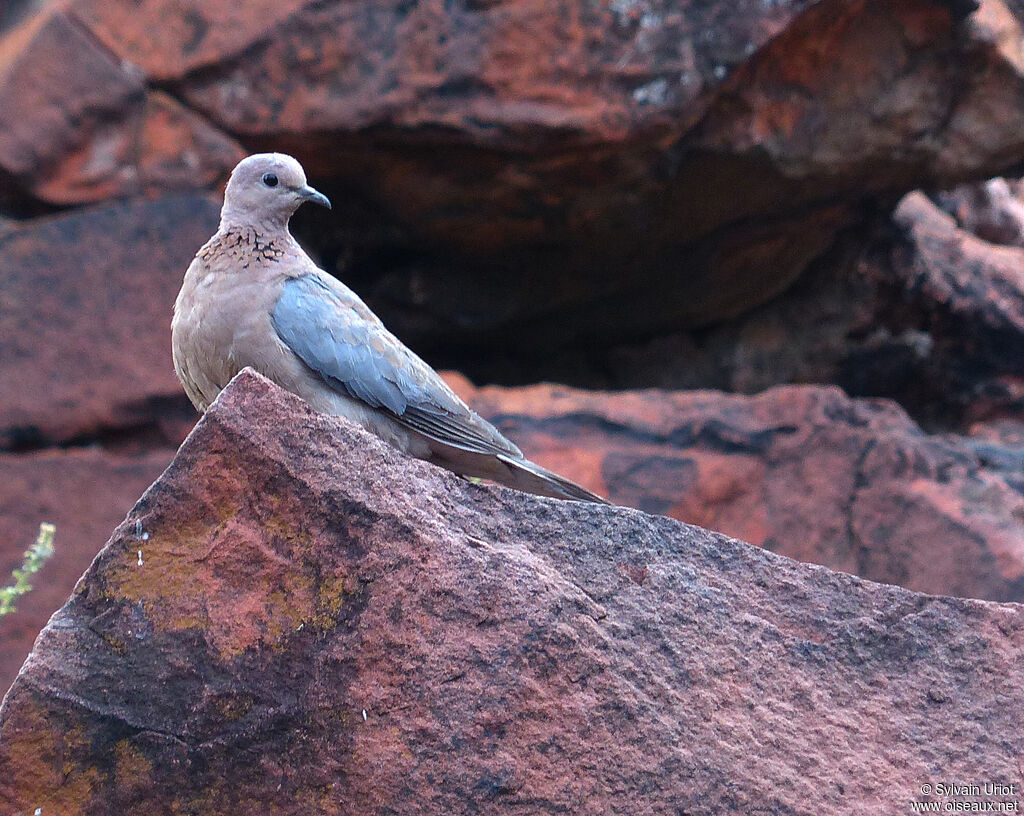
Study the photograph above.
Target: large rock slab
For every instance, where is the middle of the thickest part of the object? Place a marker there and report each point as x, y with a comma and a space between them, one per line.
806, 471
85, 314
517, 175
320, 624
85, 493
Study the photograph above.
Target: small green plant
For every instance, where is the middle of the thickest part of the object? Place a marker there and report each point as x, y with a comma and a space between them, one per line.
35, 557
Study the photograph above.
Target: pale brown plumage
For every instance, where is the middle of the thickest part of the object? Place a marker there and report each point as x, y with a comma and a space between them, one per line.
252, 297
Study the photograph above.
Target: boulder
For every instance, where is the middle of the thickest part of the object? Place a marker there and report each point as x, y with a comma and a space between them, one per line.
85, 318
85, 493
805, 471
967, 294
318, 624
522, 175
81, 125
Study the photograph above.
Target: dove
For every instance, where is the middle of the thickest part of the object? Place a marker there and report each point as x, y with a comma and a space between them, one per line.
253, 297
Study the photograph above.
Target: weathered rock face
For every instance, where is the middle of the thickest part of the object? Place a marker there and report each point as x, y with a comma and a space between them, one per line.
555, 191
512, 178
927, 310
967, 295
537, 171
321, 625
85, 311
85, 493
804, 471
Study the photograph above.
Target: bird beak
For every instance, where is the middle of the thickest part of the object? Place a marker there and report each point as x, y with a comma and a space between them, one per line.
309, 194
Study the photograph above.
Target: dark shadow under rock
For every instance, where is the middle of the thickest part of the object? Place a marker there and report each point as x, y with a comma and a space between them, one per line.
920, 309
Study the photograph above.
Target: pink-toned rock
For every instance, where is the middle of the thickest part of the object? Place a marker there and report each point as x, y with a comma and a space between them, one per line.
85, 493
169, 38
969, 295
322, 625
993, 210
805, 471
85, 310
80, 124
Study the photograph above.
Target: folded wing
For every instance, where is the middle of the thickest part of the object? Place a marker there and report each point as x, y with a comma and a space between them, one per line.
339, 338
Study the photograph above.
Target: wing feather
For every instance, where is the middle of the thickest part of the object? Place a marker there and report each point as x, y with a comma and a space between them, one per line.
334, 333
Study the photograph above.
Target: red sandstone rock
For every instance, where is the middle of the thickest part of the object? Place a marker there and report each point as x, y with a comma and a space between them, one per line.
322, 625
85, 493
970, 295
645, 165
850, 484
85, 310
928, 311
80, 125
807, 472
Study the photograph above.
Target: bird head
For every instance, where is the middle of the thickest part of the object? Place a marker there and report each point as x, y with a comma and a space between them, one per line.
265, 189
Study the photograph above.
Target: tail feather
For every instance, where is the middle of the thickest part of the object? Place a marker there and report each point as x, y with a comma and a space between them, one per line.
532, 478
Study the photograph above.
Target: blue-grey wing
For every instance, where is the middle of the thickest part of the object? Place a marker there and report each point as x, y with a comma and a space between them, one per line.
340, 339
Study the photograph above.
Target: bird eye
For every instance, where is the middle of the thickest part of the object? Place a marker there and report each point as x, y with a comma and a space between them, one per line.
270, 179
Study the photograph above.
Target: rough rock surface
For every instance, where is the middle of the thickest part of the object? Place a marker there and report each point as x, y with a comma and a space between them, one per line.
85, 493
805, 471
646, 164
321, 625
967, 294
85, 313
808, 472
81, 125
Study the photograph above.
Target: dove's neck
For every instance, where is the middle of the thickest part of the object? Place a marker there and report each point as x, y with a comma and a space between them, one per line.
267, 225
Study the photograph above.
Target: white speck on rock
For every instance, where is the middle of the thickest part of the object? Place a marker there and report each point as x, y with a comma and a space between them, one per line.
140, 558
653, 93
650, 19
132, 70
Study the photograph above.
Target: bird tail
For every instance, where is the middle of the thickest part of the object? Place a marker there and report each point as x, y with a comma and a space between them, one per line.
532, 478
